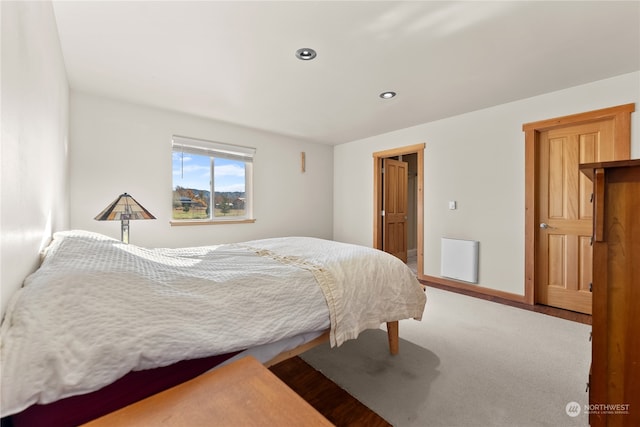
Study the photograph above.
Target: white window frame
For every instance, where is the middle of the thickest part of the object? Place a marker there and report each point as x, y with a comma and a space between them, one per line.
202, 147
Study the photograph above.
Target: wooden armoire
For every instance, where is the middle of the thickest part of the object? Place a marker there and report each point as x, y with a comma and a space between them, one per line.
614, 381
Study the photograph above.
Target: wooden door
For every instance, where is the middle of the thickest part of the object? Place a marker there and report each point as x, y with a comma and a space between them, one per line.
378, 197
394, 201
565, 212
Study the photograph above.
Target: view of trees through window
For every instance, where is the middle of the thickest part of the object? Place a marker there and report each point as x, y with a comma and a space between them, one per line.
192, 186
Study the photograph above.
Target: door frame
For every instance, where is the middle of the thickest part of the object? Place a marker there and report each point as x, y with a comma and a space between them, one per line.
621, 116
378, 199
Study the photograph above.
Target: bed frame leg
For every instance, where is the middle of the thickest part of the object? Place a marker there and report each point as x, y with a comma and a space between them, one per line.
394, 339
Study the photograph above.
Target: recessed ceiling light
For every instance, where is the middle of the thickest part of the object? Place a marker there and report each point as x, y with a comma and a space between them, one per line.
305, 53
387, 95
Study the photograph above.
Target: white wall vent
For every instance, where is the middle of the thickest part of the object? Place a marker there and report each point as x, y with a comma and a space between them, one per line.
459, 259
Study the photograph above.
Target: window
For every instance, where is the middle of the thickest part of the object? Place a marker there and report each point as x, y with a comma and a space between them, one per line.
211, 181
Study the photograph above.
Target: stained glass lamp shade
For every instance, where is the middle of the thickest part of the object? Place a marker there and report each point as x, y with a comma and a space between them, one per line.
123, 209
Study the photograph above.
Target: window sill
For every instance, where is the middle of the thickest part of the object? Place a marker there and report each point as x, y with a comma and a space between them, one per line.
209, 222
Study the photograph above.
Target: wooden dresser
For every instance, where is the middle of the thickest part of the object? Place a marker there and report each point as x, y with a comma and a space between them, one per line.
614, 383
243, 393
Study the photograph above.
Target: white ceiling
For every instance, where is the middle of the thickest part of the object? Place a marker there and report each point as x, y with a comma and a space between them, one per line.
235, 62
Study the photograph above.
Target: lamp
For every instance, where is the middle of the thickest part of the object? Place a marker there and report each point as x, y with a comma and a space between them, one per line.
124, 208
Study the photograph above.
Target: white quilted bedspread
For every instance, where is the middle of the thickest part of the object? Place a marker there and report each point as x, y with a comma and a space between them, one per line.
97, 309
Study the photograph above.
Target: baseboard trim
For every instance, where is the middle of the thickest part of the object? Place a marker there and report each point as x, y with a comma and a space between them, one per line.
473, 288
501, 297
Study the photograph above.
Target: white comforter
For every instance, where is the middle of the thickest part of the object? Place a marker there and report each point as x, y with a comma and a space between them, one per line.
97, 309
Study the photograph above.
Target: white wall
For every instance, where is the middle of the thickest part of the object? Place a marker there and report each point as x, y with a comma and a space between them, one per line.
476, 159
119, 147
34, 140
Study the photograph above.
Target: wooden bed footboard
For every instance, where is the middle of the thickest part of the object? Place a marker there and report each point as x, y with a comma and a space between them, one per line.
298, 350
392, 334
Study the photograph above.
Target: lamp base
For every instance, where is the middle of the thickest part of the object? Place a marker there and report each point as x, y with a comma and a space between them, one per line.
124, 235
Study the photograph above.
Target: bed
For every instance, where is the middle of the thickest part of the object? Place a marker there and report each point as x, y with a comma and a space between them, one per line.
102, 324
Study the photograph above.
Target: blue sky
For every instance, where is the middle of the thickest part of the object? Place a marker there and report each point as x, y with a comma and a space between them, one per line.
193, 171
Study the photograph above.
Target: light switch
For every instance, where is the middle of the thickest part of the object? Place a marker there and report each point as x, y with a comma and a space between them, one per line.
452, 204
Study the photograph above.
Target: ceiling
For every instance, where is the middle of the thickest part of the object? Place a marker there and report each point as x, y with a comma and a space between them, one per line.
235, 61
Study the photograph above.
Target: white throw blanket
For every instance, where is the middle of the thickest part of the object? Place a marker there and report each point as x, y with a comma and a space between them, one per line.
97, 309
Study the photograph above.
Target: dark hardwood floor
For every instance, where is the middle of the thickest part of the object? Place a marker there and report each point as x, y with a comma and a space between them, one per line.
325, 396
539, 308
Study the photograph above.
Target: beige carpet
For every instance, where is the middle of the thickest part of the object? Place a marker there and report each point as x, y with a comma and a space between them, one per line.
470, 362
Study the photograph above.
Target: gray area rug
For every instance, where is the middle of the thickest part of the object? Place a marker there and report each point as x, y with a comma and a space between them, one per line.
469, 362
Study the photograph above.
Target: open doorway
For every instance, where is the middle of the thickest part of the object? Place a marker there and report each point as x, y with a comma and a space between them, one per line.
412, 227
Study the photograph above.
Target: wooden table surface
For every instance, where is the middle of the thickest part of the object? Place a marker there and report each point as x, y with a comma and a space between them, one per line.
243, 393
